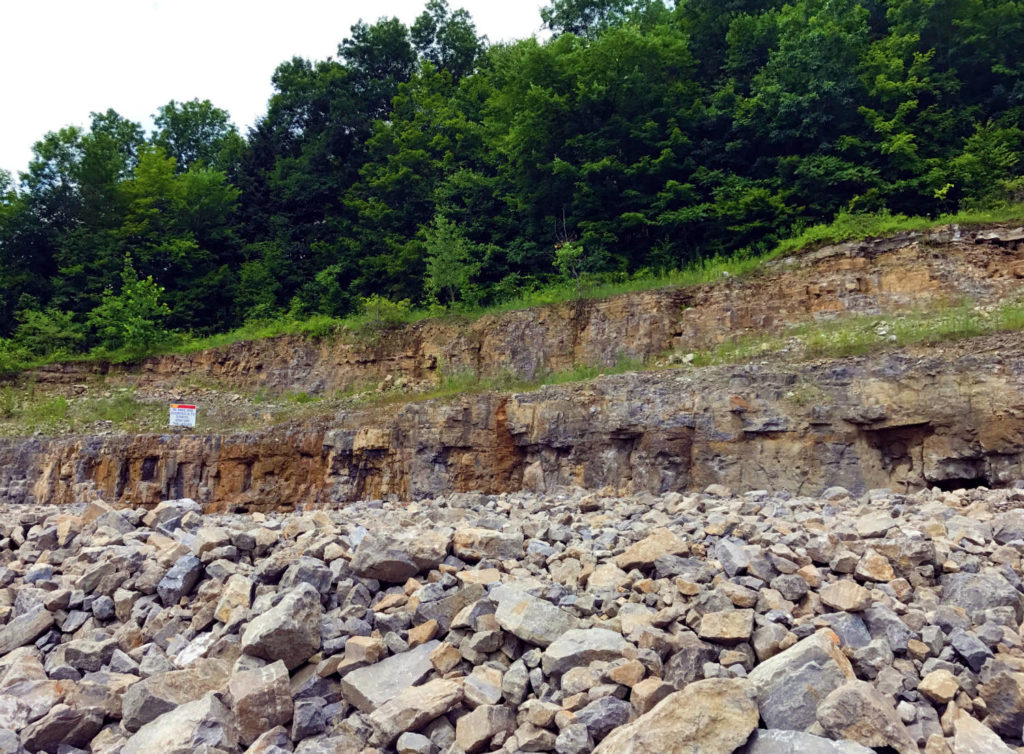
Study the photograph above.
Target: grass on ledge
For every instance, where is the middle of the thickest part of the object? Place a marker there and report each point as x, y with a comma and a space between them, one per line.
25, 410
860, 335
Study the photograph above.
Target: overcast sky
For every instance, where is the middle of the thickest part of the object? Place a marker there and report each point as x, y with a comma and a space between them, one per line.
63, 59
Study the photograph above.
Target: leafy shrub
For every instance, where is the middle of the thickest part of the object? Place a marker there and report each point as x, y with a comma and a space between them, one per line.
381, 312
132, 320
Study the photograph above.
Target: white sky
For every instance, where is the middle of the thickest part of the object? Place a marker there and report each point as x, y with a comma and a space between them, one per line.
63, 59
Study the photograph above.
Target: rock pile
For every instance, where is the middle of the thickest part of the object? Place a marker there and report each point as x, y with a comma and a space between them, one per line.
760, 623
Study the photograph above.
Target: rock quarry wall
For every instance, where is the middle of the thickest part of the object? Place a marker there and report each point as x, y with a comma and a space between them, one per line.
898, 420
946, 417
912, 270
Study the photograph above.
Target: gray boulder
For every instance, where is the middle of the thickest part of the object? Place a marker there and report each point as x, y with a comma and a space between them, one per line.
790, 686
289, 631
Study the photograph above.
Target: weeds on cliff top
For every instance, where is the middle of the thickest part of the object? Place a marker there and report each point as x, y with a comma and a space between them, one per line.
846, 227
851, 226
856, 336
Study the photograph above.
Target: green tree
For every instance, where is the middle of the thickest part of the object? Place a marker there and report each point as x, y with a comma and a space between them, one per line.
990, 170
196, 133
131, 320
426, 137
179, 229
452, 265
49, 332
585, 18
570, 263
447, 40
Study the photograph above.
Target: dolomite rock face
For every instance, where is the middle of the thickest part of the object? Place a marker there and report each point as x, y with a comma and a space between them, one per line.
947, 417
903, 420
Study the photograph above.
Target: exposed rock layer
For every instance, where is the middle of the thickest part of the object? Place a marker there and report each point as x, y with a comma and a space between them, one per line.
895, 420
913, 269
902, 420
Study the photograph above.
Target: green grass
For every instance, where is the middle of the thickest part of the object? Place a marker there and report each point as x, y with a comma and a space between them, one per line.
856, 227
860, 335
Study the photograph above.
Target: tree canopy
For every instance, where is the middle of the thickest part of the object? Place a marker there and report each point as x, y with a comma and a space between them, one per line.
423, 164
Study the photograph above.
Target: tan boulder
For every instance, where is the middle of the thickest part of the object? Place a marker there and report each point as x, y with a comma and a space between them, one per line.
643, 553
714, 716
261, 699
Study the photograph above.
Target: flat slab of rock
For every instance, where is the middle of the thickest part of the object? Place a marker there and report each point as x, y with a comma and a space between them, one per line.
794, 742
186, 729
714, 715
530, 618
875, 524
414, 707
642, 554
473, 544
375, 685
151, 697
25, 629
581, 646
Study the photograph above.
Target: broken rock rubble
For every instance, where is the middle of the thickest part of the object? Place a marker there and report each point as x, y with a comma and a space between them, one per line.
567, 623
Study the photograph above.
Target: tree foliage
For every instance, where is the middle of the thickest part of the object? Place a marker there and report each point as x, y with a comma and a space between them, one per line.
132, 319
421, 164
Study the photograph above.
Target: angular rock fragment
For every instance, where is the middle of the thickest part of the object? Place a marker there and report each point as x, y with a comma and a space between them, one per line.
581, 646
414, 707
370, 687
845, 595
473, 731
727, 627
290, 631
790, 686
25, 629
180, 580
151, 697
715, 715
473, 544
62, 725
531, 619
260, 699
794, 742
644, 553
856, 711
185, 729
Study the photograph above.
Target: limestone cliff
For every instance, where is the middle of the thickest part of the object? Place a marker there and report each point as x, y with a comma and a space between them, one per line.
903, 419
899, 420
868, 277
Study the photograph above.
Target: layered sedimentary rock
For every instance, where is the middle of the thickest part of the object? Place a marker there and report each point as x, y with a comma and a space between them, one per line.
903, 420
910, 270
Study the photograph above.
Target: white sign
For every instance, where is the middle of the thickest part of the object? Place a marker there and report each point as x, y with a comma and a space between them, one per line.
183, 415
